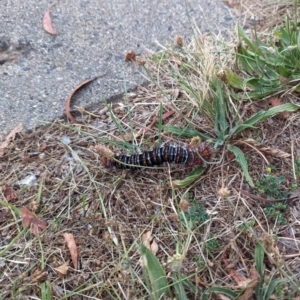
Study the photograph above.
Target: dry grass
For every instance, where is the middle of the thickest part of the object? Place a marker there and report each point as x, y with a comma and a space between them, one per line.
108, 211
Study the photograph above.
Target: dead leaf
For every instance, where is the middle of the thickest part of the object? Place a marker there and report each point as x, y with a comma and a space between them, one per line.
130, 55
43, 146
69, 238
154, 247
275, 101
236, 276
149, 241
68, 100
62, 270
9, 193
30, 219
9, 138
47, 22
146, 239
263, 148
39, 276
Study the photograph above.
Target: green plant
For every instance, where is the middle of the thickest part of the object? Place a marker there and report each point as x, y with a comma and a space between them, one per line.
196, 215
270, 185
297, 167
212, 243
268, 67
276, 212
265, 287
246, 226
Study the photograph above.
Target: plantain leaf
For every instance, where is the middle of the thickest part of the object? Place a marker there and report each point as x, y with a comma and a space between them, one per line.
240, 158
191, 178
259, 255
154, 274
262, 115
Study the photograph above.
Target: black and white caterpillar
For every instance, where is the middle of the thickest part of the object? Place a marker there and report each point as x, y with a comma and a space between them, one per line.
191, 156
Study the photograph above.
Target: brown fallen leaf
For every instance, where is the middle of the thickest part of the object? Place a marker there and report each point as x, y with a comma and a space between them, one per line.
30, 219
43, 146
47, 22
62, 270
68, 100
9, 193
250, 285
39, 276
265, 149
69, 238
9, 138
149, 241
274, 101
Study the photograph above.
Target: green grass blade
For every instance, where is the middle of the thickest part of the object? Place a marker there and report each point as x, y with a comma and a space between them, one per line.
252, 45
221, 124
240, 158
154, 274
180, 292
262, 115
271, 287
185, 132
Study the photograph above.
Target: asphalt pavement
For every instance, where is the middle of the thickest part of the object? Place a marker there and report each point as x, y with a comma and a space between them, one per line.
38, 70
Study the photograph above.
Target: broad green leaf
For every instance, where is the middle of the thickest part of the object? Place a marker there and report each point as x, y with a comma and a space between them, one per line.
259, 255
191, 178
240, 158
262, 115
154, 274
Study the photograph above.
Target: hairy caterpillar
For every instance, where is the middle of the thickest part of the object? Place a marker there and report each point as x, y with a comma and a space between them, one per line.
191, 156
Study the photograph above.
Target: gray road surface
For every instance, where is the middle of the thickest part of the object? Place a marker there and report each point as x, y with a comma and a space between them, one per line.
93, 37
